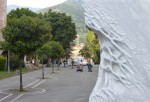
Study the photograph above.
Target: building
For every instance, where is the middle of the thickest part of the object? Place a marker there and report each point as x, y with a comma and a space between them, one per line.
3, 14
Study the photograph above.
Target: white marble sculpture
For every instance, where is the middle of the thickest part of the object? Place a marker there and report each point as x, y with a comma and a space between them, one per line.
123, 27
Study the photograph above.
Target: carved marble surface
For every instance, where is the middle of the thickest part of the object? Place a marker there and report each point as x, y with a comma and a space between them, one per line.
123, 27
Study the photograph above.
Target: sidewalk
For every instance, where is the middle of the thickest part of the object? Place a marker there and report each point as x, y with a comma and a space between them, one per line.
67, 85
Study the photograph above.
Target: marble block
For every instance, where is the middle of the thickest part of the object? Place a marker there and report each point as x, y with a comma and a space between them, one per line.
123, 28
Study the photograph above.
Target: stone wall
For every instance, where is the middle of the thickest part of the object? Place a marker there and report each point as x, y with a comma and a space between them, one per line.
3, 12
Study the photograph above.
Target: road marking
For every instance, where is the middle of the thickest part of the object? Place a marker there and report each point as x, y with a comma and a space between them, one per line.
16, 98
5, 97
43, 90
51, 76
31, 83
47, 75
39, 83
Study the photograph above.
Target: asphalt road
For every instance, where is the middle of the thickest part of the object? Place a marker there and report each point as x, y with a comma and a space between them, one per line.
65, 85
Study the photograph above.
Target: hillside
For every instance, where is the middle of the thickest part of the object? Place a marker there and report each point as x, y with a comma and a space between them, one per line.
73, 8
13, 7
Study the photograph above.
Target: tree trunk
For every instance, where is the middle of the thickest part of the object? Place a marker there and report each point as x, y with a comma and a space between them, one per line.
35, 60
52, 65
58, 64
48, 62
42, 69
20, 72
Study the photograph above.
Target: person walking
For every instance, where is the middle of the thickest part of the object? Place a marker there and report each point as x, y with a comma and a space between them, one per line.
89, 66
64, 63
72, 64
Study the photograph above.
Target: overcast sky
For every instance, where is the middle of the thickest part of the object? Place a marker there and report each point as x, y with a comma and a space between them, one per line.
34, 3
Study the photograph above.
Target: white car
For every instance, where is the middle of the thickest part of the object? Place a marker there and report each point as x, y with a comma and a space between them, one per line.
78, 61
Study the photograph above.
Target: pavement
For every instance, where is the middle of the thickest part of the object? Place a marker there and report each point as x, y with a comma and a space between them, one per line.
65, 85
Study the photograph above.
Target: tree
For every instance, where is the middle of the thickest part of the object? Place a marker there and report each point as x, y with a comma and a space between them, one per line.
91, 48
53, 50
24, 35
63, 29
19, 12
85, 52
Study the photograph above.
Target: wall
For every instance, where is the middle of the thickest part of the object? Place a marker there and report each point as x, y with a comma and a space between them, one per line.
3, 12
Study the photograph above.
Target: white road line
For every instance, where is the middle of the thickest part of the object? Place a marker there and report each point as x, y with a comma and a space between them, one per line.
49, 76
42, 81
39, 83
5, 97
16, 98
43, 90
31, 83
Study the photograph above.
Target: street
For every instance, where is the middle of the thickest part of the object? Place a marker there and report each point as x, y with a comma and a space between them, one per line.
65, 85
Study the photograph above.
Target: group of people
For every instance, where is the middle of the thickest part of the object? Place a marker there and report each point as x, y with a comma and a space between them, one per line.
80, 65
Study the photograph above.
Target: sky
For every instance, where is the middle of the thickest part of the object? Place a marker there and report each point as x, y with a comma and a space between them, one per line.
35, 3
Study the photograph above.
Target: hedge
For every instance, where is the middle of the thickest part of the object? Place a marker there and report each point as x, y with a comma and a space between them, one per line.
2, 63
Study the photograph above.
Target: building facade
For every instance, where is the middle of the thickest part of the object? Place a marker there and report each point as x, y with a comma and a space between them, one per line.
3, 13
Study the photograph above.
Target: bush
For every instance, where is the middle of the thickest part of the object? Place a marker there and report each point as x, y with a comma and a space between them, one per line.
2, 63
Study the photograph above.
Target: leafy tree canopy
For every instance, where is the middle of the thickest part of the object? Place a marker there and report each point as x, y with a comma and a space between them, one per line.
53, 49
91, 48
85, 52
26, 34
63, 29
19, 12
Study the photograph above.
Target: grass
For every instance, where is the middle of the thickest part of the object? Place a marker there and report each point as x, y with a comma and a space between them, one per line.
4, 74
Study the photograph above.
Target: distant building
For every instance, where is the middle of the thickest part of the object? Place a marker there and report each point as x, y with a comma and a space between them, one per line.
3, 14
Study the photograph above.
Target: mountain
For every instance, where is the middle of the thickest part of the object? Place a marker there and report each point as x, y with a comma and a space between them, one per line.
72, 8
80, 2
12, 7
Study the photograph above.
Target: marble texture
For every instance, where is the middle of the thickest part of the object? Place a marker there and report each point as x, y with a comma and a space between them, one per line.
123, 27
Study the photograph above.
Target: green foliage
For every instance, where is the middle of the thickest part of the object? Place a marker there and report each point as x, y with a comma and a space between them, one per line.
52, 50
25, 35
19, 12
2, 63
72, 8
4, 74
63, 29
14, 63
92, 47
85, 52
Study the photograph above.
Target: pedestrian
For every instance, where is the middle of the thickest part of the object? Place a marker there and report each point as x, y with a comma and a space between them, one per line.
81, 64
64, 63
72, 64
89, 65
